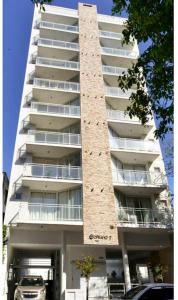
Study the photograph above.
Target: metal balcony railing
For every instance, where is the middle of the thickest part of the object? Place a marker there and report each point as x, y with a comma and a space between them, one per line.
145, 217
117, 92
63, 172
140, 178
48, 137
26, 123
41, 212
109, 34
22, 152
58, 63
119, 52
32, 59
58, 44
29, 98
118, 289
47, 108
133, 144
113, 70
55, 84
121, 116
58, 26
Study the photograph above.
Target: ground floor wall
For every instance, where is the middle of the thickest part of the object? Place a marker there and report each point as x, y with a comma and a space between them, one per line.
65, 246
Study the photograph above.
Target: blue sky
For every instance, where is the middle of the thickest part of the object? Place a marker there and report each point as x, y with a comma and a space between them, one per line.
17, 20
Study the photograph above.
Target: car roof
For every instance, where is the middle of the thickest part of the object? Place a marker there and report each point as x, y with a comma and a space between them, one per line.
157, 284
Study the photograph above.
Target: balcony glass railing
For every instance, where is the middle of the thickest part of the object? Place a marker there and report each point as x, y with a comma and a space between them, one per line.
55, 212
63, 172
58, 44
47, 137
141, 178
133, 144
46, 212
109, 34
145, 217
121, 116
58, 63
47, 108
113, 70
119, 52
58, 26
117, 92
55, 84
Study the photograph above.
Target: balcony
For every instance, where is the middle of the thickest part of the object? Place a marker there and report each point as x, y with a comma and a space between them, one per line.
56, 138
145, 218
121, 123
50, 214
57, 85
129, 150
49, 144
55, 68
118, 115
56, 109
57, 31
57, 49
117, 92
119, 57
58, 44
50, 177
112, 39
117, 98
142, 181
63, 64
110, 74
65, 90
111, 35
119, 52
57, 26
52, 116
110, 70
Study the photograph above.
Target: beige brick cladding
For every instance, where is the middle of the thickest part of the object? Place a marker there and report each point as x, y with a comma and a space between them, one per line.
99, 211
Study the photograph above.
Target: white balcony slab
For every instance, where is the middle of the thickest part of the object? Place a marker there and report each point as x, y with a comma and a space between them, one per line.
123, 125
60, 92
50, 177
129, 150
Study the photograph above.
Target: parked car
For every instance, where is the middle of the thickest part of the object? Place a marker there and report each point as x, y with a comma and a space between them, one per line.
30, 287
154, 291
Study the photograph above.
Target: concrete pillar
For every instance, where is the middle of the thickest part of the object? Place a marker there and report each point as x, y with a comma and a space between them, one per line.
125, 262
63, 266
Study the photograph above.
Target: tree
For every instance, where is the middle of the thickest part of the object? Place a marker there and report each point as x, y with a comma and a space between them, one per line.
151, 23
86, 265
41, 3
158, 270
4, 239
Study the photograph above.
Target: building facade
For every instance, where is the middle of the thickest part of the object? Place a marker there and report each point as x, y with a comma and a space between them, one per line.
5, 186
86, 179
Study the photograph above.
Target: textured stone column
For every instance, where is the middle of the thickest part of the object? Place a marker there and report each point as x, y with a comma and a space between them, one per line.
99, 212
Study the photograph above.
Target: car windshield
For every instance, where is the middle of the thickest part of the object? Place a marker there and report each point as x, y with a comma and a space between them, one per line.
131, 293
31, 282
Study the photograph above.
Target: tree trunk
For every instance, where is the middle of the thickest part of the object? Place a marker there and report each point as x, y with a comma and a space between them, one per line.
87, 289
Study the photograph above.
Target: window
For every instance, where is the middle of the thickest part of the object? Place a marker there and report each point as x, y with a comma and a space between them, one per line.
163, 293
133, 292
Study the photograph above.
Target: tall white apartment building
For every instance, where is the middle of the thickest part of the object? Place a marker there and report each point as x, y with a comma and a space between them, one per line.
86, 179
